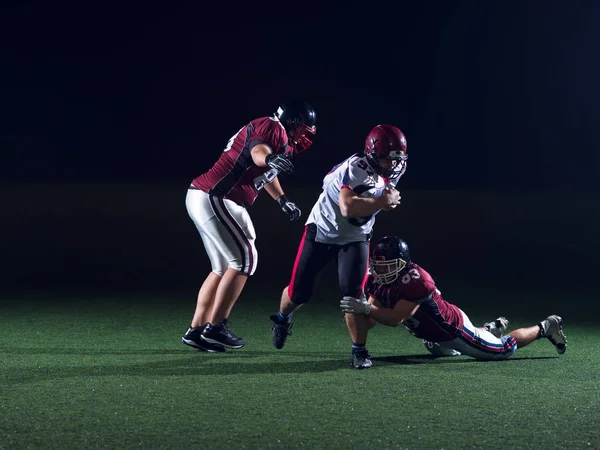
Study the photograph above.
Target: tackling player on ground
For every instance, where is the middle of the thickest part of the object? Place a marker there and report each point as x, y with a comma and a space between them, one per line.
340, 225
401, 292
217, 202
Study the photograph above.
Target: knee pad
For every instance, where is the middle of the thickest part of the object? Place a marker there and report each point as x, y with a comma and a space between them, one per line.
245, 270
510, 345
254, 263
219, 267
236, 264
249, 266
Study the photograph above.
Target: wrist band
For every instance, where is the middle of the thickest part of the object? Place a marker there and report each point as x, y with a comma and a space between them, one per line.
282, 200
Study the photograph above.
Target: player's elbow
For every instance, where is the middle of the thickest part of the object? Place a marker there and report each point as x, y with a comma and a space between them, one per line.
397, 320
259, 154
347, 202
344, 210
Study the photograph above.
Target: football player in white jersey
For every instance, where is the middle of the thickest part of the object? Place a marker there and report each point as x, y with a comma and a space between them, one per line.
340, 225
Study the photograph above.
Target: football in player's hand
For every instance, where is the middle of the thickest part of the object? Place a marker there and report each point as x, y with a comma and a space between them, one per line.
394, 194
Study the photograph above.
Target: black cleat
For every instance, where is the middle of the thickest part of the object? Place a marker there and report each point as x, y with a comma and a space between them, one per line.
221, 335
361, 360
192, 337
280, 331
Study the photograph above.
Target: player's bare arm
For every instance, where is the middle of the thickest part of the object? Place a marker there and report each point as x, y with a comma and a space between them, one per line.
352, 205
370, 320
259, 154
276, 192
392, 317
386, 316
274, 189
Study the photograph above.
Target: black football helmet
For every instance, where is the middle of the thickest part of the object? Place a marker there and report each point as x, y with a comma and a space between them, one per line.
386, 142
299, 120
389, 258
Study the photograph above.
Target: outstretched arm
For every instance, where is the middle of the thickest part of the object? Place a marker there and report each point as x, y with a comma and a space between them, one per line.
276, 192
394, 316
274, 189
373, 308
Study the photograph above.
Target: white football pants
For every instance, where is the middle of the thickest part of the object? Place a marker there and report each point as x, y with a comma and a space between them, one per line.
481, 344
226, 229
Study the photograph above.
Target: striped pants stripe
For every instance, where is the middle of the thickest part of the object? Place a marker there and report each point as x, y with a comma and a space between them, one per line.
481, 344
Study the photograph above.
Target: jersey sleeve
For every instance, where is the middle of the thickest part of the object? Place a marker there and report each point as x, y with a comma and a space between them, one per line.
355, 176
268, 132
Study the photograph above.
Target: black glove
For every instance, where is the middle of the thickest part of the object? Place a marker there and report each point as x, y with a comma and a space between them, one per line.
289, 208
280, 163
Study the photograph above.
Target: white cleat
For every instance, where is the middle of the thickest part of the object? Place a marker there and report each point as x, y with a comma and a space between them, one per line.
553, 331
497, 327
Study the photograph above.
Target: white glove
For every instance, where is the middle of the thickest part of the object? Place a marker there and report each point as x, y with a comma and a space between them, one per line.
353, 305
265, 178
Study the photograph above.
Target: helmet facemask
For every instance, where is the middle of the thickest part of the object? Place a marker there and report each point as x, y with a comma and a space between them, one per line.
299, 121
397, 164
299, 137
386, 271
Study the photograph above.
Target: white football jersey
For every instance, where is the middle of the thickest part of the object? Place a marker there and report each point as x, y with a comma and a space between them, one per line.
354, 173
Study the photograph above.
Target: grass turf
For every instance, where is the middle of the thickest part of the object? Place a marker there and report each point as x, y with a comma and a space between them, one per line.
83, 372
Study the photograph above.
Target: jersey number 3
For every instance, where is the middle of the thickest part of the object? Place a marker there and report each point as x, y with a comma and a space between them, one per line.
412, 274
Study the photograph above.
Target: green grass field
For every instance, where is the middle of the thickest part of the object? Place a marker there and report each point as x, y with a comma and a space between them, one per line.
86, 372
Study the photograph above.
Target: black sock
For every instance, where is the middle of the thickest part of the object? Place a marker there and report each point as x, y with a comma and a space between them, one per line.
357, 348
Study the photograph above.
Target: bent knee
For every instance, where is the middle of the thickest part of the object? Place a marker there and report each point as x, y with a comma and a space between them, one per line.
300, 297
245, 267
507, 351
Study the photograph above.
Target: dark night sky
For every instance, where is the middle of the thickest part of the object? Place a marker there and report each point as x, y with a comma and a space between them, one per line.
489, 94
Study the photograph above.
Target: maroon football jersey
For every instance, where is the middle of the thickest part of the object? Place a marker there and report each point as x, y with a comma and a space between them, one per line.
232, 175
436, 320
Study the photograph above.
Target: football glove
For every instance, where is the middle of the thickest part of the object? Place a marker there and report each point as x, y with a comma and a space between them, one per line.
280, 163
265, 178
289, 208
353, 305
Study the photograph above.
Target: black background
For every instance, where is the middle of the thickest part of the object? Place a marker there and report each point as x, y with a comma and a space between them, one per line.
109, 110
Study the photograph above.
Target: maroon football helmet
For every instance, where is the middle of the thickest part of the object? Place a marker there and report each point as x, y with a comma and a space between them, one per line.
385, 149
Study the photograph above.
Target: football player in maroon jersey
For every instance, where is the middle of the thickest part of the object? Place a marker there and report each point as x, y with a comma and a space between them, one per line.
217, 202
401, 292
